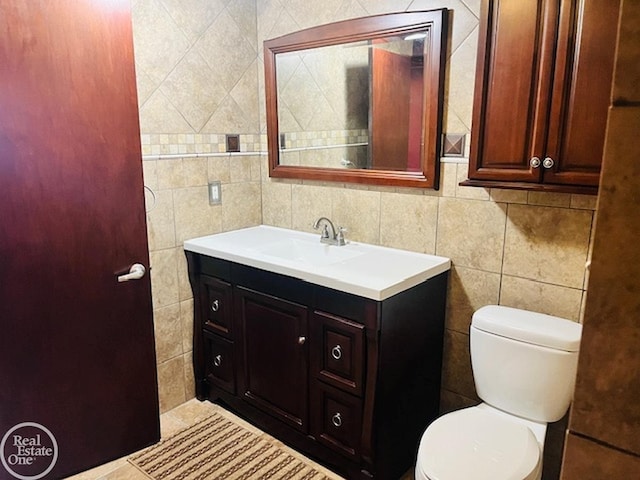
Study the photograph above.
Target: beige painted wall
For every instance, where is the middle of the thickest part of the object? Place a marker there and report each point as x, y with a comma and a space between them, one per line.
200, 76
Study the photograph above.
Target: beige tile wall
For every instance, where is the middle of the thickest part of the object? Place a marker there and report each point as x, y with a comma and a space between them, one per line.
196, 65
180, 211
201, 73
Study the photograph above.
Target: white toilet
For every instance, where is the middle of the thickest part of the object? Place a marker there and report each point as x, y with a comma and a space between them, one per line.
524, 367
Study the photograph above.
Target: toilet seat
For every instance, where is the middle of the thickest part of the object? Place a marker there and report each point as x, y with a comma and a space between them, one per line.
475, 444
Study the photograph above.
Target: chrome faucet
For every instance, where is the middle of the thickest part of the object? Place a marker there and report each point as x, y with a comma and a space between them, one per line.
333, 238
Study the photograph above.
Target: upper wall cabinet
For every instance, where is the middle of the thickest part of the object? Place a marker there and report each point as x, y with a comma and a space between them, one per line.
358, 100
543, 84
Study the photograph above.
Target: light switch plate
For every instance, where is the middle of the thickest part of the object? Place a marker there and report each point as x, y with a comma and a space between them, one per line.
215, 193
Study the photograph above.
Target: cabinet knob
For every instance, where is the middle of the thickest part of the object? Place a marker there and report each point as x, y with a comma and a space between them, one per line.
548, 162
337, 420
301, 340
217, 361
215, 305
336, 352
534, 162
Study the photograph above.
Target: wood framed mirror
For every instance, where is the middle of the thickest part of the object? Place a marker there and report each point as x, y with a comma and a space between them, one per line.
358, 100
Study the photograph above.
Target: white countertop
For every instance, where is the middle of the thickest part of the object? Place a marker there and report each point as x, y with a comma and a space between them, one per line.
358, 268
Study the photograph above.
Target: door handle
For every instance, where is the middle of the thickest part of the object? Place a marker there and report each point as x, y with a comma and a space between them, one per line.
136, 272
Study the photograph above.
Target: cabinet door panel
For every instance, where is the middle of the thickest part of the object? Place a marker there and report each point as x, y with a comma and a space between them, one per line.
513, 80
275, 355
582, 90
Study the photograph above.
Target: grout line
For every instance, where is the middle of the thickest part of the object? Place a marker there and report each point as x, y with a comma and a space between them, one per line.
504, 247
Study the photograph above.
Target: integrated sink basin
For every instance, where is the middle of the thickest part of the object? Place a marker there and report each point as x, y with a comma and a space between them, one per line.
310, 252
362, 269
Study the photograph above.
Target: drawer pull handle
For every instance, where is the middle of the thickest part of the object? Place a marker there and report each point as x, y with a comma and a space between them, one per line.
215, 305
217, 361
301, 340
337, 420
336, 352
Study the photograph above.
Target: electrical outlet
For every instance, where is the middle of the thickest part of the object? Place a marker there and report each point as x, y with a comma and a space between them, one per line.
215, 193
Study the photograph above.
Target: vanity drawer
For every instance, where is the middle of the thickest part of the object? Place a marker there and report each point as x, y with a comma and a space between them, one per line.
338, 352
336, 419
220, 369
216, 305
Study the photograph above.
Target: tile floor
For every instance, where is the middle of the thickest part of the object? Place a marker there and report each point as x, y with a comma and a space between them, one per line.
180, 417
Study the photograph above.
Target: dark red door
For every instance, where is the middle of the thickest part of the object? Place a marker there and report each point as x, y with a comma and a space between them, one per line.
77, 361
390, 107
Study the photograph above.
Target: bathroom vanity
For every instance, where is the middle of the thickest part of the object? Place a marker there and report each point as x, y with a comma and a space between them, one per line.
335, 350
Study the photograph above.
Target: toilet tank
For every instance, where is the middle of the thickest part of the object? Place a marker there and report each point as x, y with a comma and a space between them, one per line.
524, 363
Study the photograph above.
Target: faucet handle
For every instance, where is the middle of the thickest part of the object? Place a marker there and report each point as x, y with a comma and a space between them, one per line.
340, 235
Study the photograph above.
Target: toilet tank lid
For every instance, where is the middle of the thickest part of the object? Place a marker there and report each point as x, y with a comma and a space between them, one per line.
530, 327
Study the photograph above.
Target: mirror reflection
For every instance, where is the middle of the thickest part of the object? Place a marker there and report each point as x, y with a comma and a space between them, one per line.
367, 108
363, 106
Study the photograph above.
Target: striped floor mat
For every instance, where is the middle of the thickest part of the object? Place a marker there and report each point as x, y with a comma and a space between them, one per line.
217, 448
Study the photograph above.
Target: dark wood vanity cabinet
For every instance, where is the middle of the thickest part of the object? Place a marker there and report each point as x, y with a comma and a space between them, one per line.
349, 381
542, 93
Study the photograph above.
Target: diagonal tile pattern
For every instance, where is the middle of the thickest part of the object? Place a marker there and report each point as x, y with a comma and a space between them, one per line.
157, 55
189, 88
202, 67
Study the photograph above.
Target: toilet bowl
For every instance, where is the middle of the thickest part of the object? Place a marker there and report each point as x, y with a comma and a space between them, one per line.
524, 367
480, 443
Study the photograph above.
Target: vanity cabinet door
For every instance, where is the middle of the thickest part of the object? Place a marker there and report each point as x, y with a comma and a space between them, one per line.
337, 355
274, 336
217, 306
